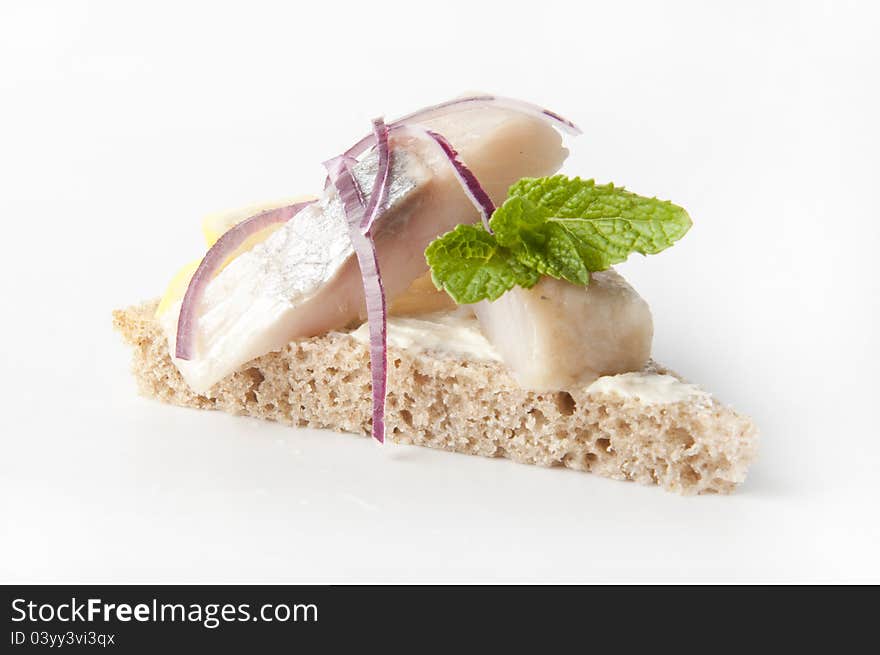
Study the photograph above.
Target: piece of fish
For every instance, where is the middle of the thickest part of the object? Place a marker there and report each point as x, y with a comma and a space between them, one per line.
304, 279
557, 335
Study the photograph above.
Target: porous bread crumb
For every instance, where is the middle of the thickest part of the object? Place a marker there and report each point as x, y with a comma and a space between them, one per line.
473, 407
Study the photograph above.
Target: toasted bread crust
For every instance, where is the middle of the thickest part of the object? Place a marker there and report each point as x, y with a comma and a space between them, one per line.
472, 407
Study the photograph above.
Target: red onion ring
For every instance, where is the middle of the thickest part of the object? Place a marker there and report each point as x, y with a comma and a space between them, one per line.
213, 260
379, 194
360, 217
468, 181
377, 319
466, 178
472, 101
339, 175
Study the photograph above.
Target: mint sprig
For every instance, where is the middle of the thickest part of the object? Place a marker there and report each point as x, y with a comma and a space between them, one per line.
558, 226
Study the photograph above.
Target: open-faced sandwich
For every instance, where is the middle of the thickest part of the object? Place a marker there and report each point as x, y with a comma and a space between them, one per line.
448, 290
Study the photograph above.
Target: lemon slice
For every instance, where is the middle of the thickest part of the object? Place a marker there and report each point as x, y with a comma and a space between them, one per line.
177, 287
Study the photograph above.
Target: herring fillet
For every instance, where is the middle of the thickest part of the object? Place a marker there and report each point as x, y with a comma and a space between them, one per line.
304, 280
558, 335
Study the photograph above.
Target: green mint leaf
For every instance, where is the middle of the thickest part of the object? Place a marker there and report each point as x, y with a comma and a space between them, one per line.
565, 226
557, 226
470, 266
522, 226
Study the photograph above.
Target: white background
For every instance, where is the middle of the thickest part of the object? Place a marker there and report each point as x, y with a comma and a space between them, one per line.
121, 124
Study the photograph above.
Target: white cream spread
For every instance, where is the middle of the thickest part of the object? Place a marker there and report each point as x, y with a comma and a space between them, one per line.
455, 332
651, 388
458, 332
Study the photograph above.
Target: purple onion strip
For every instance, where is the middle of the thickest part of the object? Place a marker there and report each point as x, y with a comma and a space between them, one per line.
469, 182
360, 217
465, 176
213, 261
457, 104
379, 193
